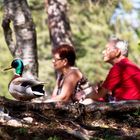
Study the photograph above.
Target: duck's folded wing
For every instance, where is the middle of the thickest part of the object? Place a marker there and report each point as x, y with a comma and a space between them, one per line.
28, 82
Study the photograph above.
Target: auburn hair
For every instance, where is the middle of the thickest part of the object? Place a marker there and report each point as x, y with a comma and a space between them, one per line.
66, 51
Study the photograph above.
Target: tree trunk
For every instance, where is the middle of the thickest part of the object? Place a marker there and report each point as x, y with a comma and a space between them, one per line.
59, 27
21, 39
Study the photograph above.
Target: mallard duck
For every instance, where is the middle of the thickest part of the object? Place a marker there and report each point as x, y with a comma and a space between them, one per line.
24, 88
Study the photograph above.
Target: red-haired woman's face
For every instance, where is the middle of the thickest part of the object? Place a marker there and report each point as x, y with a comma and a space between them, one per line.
66, 52
58, 63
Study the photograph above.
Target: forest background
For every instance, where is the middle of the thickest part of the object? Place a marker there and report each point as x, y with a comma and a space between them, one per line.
92, 23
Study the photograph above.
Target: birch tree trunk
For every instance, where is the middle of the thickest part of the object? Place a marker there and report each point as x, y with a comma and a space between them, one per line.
58, 23
21, 37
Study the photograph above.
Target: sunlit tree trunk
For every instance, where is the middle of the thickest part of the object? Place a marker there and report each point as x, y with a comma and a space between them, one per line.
58, 22
21, 37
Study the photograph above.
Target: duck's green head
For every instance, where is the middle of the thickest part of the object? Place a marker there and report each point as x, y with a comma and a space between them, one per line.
17, 64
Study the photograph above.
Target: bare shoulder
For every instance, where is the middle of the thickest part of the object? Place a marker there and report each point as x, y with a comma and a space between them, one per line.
75, 73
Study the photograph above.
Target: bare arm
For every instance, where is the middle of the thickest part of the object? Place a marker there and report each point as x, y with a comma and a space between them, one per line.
68, 87
101, 93
54, 94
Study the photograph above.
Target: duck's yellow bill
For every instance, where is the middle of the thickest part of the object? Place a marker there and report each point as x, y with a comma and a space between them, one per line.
7, 69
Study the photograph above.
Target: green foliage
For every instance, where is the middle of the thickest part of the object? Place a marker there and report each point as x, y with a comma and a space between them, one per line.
22, 131
137, 113
36, 138
90, 32
90, 25
1, 3
127, 5
54, 138
5, 58
35, 3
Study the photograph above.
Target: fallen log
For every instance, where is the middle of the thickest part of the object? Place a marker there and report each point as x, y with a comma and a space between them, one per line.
70, 110
76, 119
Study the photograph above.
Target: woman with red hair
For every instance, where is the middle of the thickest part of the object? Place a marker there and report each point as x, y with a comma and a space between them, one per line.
70, 79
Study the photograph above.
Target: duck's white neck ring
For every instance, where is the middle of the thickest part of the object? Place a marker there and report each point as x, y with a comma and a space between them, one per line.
17, 74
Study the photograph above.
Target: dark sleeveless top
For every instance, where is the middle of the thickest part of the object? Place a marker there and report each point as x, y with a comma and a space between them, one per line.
60, 83
81, 85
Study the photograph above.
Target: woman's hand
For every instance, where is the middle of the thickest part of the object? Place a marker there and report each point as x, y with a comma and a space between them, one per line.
79, 95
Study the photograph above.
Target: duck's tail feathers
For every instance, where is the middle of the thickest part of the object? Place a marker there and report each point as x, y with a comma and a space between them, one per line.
38, 94
38, 90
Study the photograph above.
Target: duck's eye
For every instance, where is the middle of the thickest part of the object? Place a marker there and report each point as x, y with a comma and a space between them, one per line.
14, 64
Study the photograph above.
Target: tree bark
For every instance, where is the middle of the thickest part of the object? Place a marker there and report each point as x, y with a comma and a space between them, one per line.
21, 39
74, 119
58, 22
72, 111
